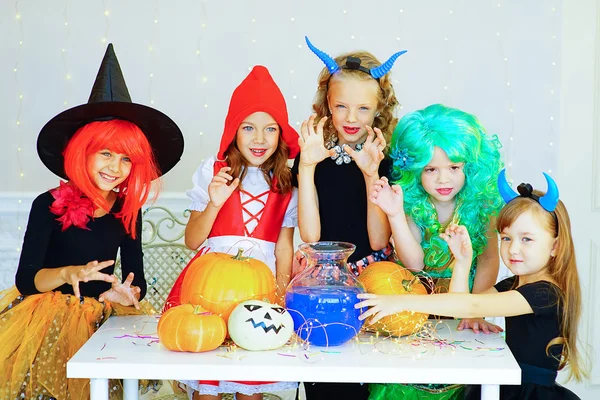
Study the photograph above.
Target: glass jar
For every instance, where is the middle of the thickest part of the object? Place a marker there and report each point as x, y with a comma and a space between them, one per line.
321, 298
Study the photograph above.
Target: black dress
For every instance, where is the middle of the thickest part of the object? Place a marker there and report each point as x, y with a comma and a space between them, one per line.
45, 245
342, 195
40, 332
527, 337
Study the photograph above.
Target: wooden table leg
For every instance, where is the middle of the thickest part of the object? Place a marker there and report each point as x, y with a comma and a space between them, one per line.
490, 392
98, 389
130, 389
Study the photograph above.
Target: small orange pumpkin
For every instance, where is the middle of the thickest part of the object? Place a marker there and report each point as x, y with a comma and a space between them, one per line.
220, 281
386, 277
191, 328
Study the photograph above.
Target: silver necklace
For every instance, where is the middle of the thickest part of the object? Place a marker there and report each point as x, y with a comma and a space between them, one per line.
341, 157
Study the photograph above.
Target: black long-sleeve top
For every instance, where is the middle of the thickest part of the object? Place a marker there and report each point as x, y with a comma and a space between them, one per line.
46, 246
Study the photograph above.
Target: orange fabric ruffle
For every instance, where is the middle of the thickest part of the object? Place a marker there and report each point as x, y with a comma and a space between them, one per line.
39, 334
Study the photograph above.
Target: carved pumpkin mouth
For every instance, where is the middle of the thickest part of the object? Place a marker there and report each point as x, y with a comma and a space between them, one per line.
266, 328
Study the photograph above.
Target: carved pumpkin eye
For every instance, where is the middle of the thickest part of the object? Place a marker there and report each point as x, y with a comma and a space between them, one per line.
252, 307
278, 310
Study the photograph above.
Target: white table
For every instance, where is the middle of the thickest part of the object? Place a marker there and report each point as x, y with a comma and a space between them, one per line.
465, 358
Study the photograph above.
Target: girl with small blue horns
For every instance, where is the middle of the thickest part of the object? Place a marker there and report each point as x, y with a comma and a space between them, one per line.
541, 302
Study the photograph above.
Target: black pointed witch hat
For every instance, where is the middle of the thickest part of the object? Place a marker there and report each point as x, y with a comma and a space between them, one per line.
110, 100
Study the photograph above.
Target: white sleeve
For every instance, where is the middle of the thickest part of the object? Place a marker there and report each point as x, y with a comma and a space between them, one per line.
202, 177
290, 220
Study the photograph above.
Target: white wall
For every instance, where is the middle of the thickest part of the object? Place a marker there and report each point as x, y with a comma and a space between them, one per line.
499, 60
579, 163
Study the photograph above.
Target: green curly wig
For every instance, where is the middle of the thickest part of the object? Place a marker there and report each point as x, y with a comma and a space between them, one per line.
463, 139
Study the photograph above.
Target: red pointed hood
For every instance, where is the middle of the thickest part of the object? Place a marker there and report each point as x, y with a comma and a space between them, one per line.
258, 92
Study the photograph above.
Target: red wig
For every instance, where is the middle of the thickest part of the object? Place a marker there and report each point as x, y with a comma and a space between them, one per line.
122, 137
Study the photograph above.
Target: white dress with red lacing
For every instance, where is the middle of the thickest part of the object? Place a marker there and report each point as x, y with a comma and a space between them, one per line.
254, 193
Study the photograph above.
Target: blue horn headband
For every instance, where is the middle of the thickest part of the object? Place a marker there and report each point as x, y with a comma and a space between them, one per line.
547, 201
354, 62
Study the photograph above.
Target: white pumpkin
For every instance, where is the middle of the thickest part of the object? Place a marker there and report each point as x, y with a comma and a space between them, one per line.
258, 325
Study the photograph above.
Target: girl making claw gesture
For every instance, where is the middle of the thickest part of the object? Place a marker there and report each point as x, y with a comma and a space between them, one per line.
341, 155
109, 151
541, 303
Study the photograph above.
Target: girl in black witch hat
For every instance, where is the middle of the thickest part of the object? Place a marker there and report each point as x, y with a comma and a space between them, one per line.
109, 151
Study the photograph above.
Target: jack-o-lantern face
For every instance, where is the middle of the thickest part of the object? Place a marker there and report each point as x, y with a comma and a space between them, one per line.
257, 325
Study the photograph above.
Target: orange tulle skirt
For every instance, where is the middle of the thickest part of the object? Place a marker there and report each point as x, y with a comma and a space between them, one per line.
39, 334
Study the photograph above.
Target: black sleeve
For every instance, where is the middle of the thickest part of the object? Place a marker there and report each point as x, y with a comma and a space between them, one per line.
295, 170
385, 168
132, 257
35, 243
542, 296
505, 285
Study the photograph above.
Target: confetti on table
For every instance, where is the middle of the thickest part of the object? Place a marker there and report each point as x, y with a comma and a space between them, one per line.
137, 337
286, 355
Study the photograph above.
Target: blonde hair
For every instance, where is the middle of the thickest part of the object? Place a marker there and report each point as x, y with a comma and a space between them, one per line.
386, 98
562, 269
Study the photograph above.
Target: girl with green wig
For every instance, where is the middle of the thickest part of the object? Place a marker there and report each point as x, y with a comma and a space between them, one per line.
444, 171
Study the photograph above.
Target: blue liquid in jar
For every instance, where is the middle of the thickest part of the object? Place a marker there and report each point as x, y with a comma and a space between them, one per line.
324, 315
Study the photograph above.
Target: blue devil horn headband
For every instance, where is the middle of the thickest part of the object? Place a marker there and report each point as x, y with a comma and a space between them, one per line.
386, 67
326, 58
354, 63
547, 201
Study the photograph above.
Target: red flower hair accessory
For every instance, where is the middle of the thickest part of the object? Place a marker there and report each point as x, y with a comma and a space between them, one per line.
72, 206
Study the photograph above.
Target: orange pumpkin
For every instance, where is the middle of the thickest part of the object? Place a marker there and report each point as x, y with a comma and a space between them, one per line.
386, 277
219, 282
191, 328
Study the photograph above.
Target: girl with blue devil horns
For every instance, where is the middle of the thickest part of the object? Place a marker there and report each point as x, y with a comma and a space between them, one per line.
541, 302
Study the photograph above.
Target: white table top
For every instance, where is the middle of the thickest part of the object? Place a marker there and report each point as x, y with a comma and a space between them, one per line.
466, 358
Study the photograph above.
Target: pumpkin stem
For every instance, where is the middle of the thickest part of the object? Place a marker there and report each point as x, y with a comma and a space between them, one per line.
407, 284
239, 256
197, 310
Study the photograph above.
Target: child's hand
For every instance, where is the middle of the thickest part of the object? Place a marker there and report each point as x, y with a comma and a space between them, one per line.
389, 198
476, 324
459, 242
311, 142
123, 293
379, 306
219, 190
370, 156
85, 273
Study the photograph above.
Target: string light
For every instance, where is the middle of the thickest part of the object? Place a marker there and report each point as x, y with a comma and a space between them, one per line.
552, 123
63, 51
153, 38
509, 91
200, 45
17, 126
448, 71
106, 14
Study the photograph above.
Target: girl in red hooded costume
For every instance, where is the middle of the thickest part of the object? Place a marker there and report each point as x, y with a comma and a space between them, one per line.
244, 198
